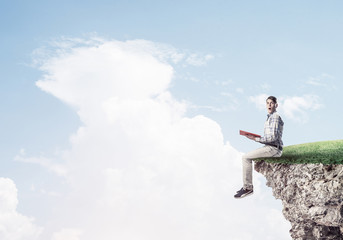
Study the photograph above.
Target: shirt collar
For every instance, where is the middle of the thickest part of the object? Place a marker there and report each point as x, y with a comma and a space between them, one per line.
269, 114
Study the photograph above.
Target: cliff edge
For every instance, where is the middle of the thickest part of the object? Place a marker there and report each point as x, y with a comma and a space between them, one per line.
312, 197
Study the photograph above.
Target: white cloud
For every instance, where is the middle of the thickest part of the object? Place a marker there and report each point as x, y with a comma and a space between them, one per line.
266, 86
138, 168
67, 234
58, 169
276, 220
233, 102
13, 225
198, 60
224, 83
295, 108
240, 90
324, 80
259, 101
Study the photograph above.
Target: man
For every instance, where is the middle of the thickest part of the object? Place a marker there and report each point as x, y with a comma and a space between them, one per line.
273, 128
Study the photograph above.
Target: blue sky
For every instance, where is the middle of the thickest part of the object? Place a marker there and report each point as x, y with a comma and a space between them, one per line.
225, 56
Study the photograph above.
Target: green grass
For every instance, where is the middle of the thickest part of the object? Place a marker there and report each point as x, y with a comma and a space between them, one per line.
326, 152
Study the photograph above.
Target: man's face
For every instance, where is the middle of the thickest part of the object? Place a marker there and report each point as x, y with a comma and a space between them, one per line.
271, 106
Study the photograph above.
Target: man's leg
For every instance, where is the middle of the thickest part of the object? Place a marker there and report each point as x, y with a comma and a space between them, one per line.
266, 151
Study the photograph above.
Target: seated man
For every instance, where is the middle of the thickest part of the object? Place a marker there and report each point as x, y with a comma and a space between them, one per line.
273, 128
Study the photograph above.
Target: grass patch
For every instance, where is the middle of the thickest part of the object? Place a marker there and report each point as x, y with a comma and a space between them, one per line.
326, 152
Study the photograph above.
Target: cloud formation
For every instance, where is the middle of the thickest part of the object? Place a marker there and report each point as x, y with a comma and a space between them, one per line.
295, 108
138, 167
324, 80
259, 101
13, 225
67, 234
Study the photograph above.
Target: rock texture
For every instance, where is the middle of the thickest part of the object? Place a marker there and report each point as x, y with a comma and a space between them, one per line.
312, 197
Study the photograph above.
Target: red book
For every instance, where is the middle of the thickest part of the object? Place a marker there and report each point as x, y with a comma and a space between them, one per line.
244, 133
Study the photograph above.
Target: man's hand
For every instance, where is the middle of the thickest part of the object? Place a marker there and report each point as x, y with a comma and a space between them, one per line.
251, 137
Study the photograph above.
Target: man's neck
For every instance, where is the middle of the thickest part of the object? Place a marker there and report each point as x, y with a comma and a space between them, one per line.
271, 113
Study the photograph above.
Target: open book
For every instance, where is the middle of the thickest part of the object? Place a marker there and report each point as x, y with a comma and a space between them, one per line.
244, 133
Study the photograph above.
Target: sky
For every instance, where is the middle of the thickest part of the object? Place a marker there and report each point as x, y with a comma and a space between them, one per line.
120, 119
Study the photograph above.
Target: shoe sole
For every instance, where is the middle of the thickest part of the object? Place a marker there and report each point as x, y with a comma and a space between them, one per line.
245, 195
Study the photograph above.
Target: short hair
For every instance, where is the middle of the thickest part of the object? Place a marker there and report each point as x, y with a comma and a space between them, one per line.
272, 98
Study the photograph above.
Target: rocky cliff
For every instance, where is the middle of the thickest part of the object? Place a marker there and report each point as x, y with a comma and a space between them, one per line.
312, 197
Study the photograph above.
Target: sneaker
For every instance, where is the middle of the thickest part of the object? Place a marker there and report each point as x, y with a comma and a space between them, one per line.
243, 193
